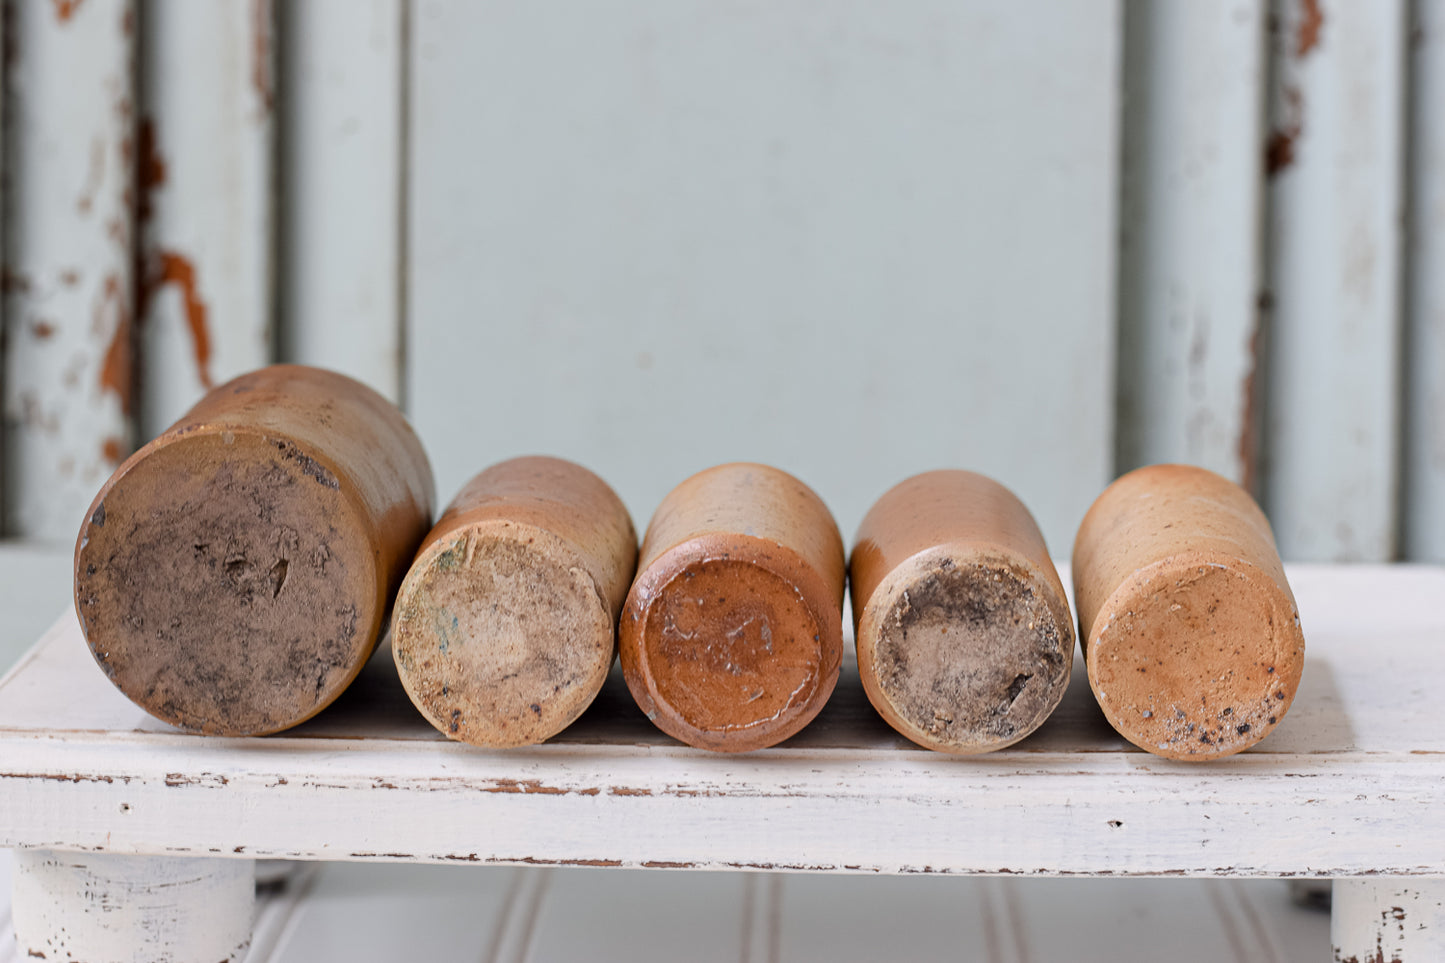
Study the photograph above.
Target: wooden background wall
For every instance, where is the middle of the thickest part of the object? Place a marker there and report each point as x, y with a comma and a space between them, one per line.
854, 239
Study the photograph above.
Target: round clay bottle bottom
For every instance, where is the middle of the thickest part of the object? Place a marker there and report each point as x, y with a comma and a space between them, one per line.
968, 655
501, 637
1189, 662
730, 647
227, 584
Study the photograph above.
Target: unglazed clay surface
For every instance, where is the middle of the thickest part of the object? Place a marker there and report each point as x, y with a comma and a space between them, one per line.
232, 576
1193, 639
505, 627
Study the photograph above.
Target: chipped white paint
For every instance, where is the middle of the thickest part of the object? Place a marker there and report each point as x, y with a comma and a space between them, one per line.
887, 244
369, 780
342, 153
1336, 205
1383, 921
131, 909
1194, 83
70, 143
206, 202
1424, 506
1334, 791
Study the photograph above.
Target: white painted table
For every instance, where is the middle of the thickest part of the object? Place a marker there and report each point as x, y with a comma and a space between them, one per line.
105, 803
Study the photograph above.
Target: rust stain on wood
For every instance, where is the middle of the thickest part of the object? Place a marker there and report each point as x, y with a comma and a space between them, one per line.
65, 9
1279, 149
117, 368
174, 268
167, 267
13, 282
112, 450
181, 779
66, 777
532, 786
261, 74
532, 861
1312, 19
150, 170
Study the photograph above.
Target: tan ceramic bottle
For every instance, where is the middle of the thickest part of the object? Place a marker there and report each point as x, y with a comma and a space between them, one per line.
1191, 634
505, 627
965, 641
233, 576
732, 636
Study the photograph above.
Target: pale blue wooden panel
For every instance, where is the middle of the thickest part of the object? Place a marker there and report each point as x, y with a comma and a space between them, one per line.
207, 200
1424, 507
343, 86
1191, 193
68, 285
855, 240
1336, 208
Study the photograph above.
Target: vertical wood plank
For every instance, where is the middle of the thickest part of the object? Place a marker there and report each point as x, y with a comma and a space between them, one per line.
342, 152
1194, 112
1423, 527
1336, 158
5, 202
642, 916
206, 206
68, 278
851, 259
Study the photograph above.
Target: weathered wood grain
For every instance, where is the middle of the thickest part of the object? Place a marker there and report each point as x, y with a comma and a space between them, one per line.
1335, 158
206, 200
1348, 785
136, 909
1374, 919
69, 272
1423, 528
343, 102
1190, 206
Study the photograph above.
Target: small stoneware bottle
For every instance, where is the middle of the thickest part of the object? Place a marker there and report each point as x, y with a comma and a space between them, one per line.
965, 640
732, 636
505, 627
1191, 634
233, 576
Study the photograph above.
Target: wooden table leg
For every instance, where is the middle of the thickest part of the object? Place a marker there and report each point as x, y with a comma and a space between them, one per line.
127, 909
1388, 920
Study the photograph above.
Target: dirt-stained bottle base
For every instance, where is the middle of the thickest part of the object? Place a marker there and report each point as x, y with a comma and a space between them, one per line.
963, 654
501, 636
224, 583
1196, 657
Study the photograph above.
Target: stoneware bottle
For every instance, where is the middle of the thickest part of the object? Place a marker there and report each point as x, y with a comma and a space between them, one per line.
965, 640
505, 627
732, 636
233, 576
1191, 633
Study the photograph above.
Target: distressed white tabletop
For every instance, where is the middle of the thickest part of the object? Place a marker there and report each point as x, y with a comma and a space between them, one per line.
1351, 783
